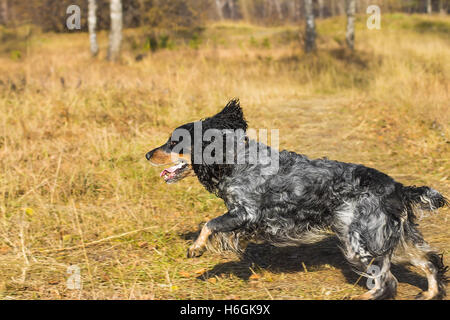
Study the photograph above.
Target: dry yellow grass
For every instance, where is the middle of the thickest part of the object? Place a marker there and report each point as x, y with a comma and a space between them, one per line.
74, 131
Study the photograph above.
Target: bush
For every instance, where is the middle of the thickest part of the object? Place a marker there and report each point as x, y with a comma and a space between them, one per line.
177, 14
171, 14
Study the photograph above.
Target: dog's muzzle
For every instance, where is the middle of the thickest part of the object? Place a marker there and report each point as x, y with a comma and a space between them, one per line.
149, 155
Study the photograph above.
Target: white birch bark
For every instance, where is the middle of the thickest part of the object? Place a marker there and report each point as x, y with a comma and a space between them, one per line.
333, 7
219, 8
350, 32
115, 36
232, 9
278, 9
92, 25
298, 10
3, 12
310, 39
321, 7
441, 7
341, 7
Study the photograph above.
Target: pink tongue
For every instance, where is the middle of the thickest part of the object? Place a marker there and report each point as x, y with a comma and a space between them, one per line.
168, 170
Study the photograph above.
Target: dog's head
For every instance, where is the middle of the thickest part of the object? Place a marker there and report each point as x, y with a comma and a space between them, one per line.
188, 140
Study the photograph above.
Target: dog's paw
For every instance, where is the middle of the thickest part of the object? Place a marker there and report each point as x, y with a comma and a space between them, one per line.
364, 296
425, 295
195, 251
419, 296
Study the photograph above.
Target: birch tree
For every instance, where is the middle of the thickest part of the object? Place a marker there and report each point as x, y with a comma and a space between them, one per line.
429, 7
92, 25
341, 7
231, 8
3, 11
321, 8
277, 5
333, 7
441, 7
297, 10
115, 35
310, 38
350, 33
244, 9
219, 8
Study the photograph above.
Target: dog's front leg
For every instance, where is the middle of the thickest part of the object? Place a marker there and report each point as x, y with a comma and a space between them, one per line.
228, 222
199, 246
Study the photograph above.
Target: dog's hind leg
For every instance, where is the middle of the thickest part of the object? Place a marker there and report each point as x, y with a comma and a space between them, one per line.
381, 282
358, 231
416, 251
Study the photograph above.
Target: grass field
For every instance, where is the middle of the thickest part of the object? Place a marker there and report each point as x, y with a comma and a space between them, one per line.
75, 188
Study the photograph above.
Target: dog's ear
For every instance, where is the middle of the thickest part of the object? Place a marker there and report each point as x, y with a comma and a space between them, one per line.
231, 117
232, 109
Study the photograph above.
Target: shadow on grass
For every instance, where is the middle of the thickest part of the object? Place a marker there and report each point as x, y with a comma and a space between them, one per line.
358, 60
291, 260
433, 27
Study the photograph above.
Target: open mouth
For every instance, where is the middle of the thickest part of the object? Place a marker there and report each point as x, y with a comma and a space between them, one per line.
174, 173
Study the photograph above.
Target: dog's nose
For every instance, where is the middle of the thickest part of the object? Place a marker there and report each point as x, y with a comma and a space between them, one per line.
149, 155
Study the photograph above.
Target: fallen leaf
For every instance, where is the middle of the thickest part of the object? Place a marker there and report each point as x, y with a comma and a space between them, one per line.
105, 277
212, 280
200, 271
255, 277
53, 281
29, 212
269, 278
4, 250
184, 274
142, 244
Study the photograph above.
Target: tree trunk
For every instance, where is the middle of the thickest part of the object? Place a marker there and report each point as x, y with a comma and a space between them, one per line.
341, 7
278, 9
92, 24
267, 9
429, 7
219, 8
297, 10
291, 7
3, 12
321, 7
350, 34
333, 8
232, 9
441, 7
310, 38
243, 6
115, 36
272, 7
367, 4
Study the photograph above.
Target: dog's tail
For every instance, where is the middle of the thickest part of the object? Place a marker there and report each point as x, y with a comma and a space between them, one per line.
424, 198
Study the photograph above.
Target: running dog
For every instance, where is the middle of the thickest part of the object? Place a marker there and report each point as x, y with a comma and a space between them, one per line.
372, 215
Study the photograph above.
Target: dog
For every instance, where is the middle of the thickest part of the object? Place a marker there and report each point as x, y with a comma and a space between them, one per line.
372, 215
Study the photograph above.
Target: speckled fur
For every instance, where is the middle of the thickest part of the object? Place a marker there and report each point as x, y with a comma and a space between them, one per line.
371, 214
